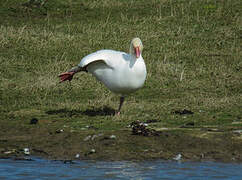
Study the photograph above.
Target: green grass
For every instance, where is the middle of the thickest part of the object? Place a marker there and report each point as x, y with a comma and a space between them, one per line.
192, 50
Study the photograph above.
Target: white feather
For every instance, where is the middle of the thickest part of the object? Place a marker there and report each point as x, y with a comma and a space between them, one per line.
121, 72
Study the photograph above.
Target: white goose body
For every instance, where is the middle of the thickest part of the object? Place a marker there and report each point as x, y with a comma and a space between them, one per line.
120, 72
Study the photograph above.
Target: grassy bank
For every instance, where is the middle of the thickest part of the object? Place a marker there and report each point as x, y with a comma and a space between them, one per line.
192, 50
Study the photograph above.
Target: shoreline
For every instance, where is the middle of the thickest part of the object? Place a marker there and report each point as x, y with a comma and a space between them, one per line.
123, 145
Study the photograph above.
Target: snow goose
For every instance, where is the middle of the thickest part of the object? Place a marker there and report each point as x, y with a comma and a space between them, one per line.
120, 72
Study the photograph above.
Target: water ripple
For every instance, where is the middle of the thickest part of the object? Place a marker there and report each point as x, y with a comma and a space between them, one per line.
41, 169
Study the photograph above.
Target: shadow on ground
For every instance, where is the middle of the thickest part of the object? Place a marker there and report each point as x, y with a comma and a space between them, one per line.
105, 111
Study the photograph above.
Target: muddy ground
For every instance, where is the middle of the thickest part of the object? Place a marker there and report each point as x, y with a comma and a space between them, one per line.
137, 142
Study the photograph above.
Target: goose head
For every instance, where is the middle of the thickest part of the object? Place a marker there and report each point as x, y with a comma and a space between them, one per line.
136, 47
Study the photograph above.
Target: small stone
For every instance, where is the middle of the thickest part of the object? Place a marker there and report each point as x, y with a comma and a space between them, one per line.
59, 131
26, 151
92, 151
112, 137
177, 157
8, 152
34, 121
77, 155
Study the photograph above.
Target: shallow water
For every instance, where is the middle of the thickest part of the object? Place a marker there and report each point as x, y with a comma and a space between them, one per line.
55, 170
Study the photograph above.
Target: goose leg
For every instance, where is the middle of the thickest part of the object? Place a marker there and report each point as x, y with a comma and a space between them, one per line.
120, 105
69, 74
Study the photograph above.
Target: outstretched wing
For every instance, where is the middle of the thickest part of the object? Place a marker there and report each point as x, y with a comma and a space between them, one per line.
106, 56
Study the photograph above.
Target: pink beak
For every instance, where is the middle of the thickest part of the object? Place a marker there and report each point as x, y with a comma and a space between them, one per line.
137, 52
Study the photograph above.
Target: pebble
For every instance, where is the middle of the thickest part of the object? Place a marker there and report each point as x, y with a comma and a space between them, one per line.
112, 137
26, 151
92, 137
34, 121
144, 124
77, 156
59, 131
92, 151
177, 157
8, 152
